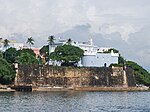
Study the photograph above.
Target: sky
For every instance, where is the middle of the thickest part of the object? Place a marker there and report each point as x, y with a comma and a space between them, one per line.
122, 24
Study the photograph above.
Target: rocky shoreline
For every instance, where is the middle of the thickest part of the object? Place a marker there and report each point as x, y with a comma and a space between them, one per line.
90, 89
6, 88
112, 89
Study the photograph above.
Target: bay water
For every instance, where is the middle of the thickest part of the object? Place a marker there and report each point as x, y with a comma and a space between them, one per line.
74, 101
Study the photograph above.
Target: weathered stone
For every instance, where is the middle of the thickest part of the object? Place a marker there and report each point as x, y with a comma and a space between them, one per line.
42, 75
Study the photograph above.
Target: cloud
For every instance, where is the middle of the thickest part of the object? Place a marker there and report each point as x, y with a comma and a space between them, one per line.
124, 24
139, 42
77, 33
36, 17
124, 30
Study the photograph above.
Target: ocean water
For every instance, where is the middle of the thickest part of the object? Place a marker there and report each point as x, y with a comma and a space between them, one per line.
74, 101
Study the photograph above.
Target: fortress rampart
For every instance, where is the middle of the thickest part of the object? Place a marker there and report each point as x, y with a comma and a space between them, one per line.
55, 76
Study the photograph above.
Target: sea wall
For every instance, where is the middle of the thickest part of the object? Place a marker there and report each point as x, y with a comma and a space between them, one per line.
50, 76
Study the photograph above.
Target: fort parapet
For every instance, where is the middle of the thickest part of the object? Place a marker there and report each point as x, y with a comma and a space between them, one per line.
72, 77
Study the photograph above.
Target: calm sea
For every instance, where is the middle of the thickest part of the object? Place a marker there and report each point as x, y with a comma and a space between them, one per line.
75, 102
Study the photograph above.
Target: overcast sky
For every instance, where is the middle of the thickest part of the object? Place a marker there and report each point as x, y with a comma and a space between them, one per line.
123, 24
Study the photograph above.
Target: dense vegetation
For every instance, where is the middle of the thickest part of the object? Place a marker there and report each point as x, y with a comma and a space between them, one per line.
27, 59
12, 56
142, 76
68, 55
7, 73
30, 51
9, 58
1, 54
112, 49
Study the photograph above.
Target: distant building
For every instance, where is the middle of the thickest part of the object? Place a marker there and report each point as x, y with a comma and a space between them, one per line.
36, 51
12, 43
94, 56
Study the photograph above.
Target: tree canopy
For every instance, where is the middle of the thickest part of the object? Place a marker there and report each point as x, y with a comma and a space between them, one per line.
7, 73
6, 43
30, 51
109, 50
30, 41
67, 54
11, 55
51, 40
121, 60
1, 54
27, 59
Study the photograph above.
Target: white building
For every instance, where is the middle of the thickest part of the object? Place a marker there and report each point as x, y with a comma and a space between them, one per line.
94, 56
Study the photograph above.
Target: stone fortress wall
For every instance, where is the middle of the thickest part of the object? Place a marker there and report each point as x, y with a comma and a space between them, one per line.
56, 76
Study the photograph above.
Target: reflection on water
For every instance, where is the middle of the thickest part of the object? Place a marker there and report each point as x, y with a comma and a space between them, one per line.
74, 102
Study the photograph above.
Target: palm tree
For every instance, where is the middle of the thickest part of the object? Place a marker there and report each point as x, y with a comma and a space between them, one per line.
30, 41
50, 42
6, 43
69, 41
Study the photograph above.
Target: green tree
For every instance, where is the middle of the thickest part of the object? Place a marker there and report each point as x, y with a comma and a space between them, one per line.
11, 55
39, 59
30, 51
67, 54
27, 59
109, 50
44, 51
51, 40
7, 73
6, 43
1, 54
121, 60
30, 41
